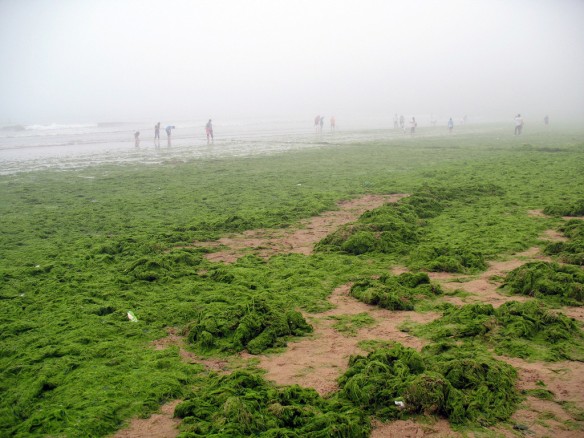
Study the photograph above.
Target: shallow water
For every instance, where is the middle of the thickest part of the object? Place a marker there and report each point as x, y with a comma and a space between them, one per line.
40, 147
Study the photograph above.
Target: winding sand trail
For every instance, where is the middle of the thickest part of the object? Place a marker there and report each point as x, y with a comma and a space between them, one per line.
297, 240
318, 360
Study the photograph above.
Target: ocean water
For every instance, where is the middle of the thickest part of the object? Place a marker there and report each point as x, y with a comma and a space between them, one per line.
57, 146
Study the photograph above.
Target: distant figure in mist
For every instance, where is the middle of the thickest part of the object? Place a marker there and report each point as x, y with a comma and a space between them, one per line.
321, 123
546, 120
518, 124
209, 132
333, 123
402, 122
316, 123
450, 125
157, 135
395, 121
413, 125
168, 133
137, 139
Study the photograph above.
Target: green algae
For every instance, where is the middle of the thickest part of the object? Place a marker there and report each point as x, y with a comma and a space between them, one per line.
251, 323
80, 248
350, 324
575, 208
572, 251
528, 330
244, 404
462, 385
400, 292
562, 284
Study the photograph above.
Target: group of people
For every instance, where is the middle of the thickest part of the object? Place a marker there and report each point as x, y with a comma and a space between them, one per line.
168, 129
319, 123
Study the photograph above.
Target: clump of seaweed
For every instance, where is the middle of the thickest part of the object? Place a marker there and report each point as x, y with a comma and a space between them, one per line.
392, 292
560, 283
462, 385
526, 330
252, 323
449, 258
575, 208
387, 229
572, 251
244, 404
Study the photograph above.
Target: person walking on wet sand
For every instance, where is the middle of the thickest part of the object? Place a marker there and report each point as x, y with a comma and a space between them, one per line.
209, 131
168, 133
450, 124
321, 123
333, 123
518, 124
137, 139
316, 123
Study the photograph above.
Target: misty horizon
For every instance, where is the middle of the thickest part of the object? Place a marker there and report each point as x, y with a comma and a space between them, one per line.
74, 61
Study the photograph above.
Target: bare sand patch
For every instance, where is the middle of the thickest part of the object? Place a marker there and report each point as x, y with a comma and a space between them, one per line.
159, 425
411, 429
548, 417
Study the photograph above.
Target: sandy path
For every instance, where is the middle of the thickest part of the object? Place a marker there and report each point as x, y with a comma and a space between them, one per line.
298, 240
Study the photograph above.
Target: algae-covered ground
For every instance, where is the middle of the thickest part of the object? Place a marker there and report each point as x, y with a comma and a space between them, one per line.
79, 249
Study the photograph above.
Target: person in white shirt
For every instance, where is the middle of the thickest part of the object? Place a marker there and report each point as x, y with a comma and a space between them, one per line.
518, 124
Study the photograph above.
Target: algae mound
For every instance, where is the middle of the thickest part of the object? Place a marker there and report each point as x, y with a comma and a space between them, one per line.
563, 283
244, 404
462, 385
575, 208
252, 323
400, 292
526, 330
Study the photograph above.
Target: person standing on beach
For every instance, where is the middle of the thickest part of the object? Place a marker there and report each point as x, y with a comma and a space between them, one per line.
518, 124
395, 121
402, 122
546, 120
450, 124
209, 131
333, 123
137, 139
321, 123
413, 125
157, 134
316, 123
168, 133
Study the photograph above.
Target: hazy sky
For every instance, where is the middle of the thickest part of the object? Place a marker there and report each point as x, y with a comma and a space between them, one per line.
122, 60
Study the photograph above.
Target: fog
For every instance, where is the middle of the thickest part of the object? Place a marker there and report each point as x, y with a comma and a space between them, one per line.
123, 60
